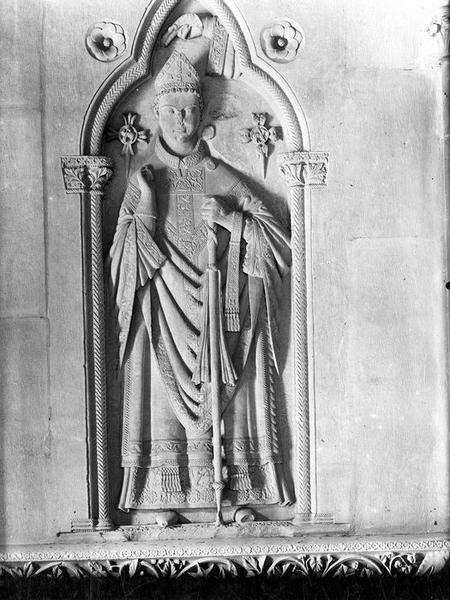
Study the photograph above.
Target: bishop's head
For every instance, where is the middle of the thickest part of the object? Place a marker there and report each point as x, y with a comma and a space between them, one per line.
178, 103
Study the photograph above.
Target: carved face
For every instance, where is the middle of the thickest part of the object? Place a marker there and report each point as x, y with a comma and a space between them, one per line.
179, 117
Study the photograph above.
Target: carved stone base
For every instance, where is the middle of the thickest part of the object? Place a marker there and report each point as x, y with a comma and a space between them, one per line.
316, 556
206, 531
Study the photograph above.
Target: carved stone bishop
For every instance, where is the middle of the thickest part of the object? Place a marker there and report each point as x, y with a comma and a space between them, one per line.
158, 266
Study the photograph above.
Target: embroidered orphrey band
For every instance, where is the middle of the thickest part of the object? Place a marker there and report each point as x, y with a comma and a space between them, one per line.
232, 286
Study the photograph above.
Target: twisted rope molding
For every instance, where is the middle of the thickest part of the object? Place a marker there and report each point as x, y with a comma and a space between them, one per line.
301, 386
98, 351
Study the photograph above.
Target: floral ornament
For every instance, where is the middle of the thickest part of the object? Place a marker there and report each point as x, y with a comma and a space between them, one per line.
106, 41
128, 135
260, 135
281, 41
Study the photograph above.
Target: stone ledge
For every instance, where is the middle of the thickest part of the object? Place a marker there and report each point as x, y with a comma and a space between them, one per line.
307, 555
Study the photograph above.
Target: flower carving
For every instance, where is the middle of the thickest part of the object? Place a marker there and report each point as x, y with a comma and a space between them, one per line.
281, 41
128, 135
260, 135
106, 41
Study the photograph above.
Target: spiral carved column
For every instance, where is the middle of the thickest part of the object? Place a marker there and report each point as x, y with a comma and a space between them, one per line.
302, 170
88, 176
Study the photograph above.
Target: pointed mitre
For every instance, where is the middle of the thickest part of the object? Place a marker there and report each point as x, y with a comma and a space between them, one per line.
177, 75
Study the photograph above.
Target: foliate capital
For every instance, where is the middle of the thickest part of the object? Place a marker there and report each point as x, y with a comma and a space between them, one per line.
304, 168
86, 173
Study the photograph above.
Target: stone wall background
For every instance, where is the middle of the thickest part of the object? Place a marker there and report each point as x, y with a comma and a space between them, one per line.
368, 82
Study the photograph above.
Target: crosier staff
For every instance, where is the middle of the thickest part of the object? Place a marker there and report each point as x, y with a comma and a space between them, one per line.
214, 316
220, 368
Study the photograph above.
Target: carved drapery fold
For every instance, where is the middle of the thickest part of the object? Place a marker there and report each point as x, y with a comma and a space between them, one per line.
88, 176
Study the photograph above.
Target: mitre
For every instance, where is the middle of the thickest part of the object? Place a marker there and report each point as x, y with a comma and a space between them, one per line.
177, 75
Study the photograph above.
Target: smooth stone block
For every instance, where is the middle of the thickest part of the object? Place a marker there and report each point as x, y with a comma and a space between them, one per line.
20, 43
25, 420
395, 384
22, 231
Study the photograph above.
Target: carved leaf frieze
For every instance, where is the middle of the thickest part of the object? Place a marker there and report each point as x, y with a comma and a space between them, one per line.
318, 565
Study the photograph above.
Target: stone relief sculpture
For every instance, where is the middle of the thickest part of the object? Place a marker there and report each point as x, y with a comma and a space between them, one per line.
195, 272
212, 403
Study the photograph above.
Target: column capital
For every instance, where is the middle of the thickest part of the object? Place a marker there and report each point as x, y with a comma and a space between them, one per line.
86, 173
439, 28
304, 168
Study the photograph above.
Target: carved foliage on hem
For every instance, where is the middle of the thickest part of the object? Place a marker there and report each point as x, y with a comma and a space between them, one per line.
174, 485
316, 565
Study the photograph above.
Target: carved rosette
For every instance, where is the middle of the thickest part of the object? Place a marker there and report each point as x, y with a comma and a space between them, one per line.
106, 40
282, 40
440, 28
304, 168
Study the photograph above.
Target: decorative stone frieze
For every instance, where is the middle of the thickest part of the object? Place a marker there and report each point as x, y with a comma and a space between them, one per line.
320, 559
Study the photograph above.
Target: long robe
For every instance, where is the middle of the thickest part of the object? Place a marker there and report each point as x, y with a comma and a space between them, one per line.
158, 287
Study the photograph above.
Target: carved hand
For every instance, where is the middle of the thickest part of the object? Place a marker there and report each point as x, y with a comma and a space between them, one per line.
185, 27
214, 211
146, 209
